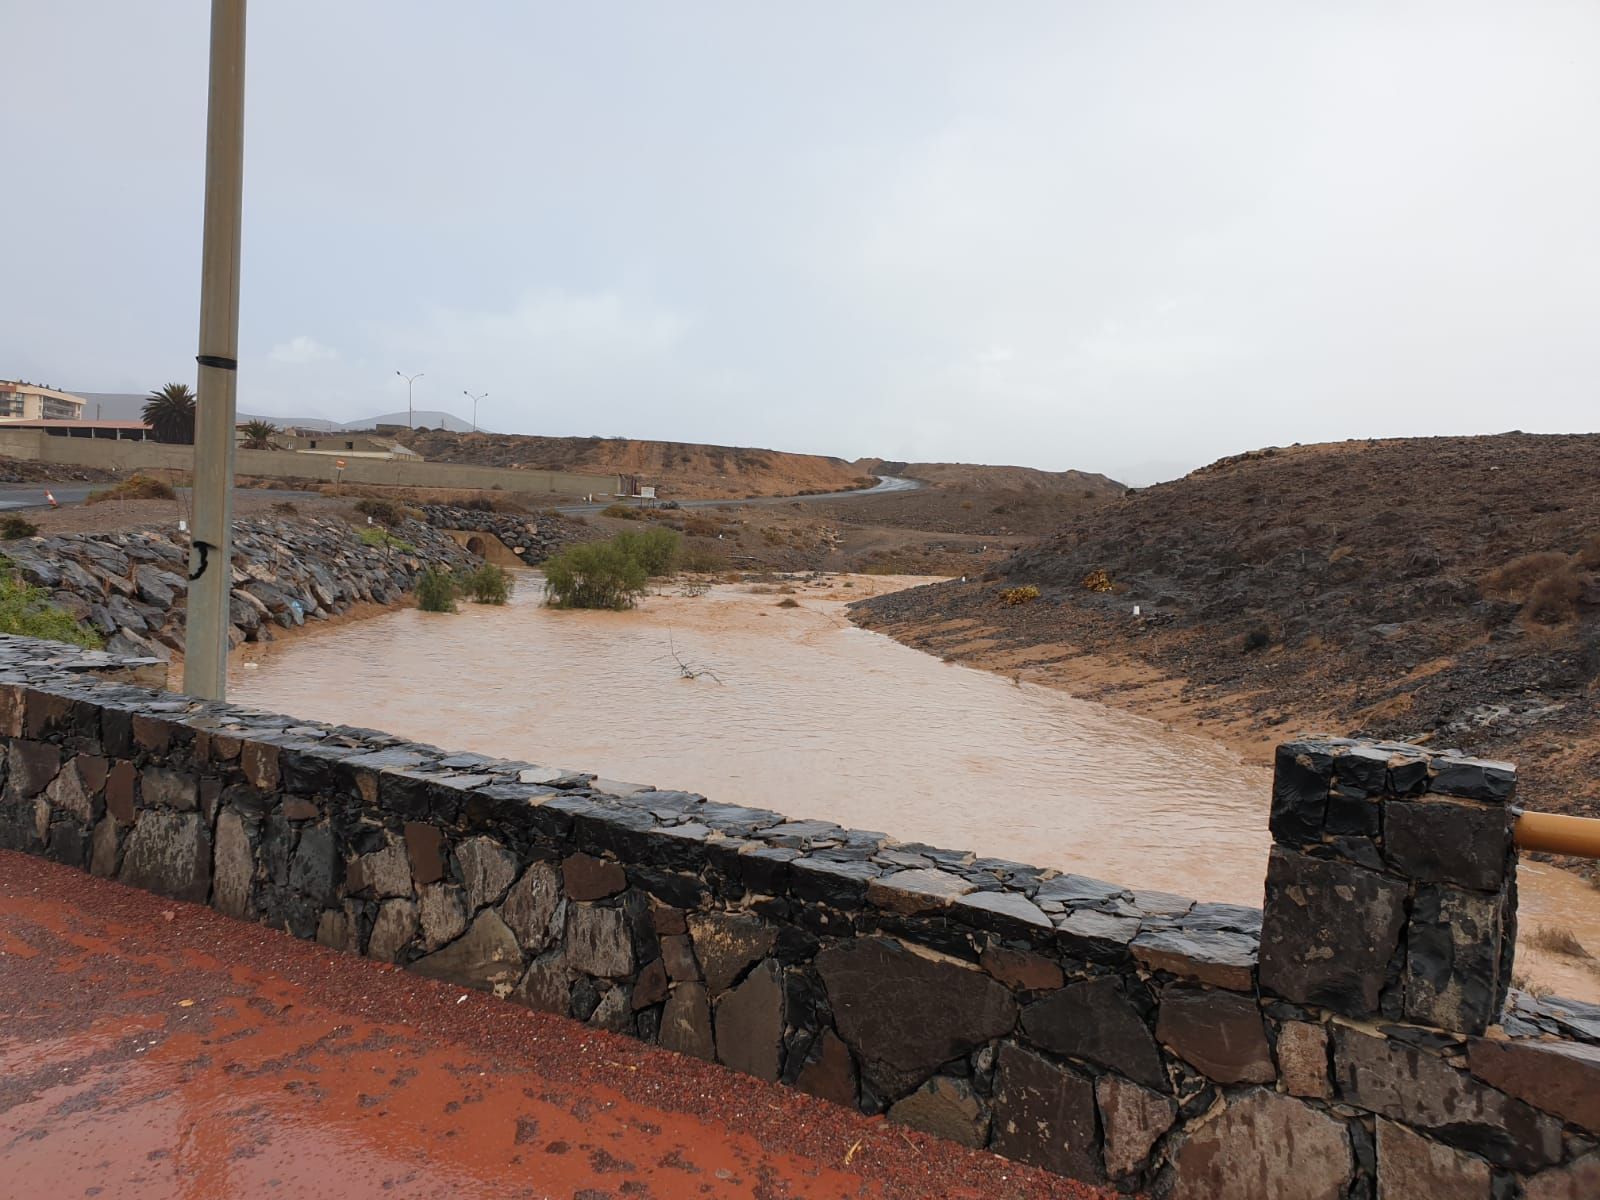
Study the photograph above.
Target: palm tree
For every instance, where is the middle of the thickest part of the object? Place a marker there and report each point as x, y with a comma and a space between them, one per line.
258, 435
170, 413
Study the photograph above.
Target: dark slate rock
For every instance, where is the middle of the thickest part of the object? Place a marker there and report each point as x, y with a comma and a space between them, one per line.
1406, 1084
1354, 813
1009, 913
589, 878
1021, 970
1329, 932
946, 1108
486, 957
1097, 936
1264, 1144
1044, 1115
32, 765
1225, 960
828, 1072
1218, 1033
1559, 1077
749, 1023
1448, 841
170, 853
1095, 1020
1133, 1118
841, 884
1076, 890
673, 888
801, 835
686, 1022
1453, 944
1362, 768
725, 944
1475, 779
1215, 917
1301, 778
316, 869
904, 1015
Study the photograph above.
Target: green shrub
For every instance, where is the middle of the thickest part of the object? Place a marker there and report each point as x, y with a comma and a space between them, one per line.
436, 590
385, 512
488, 584
16, 527
376, 535
702, 558
594, 575
623, 512
27, 611
656, 550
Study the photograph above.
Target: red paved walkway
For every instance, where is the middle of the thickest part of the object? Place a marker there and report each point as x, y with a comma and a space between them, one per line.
155, 1049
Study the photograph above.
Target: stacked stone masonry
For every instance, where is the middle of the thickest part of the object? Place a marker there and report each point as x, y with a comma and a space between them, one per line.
1111, 1035
132, 586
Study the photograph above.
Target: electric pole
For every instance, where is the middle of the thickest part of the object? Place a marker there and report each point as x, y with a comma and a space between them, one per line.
205, 661
474, 400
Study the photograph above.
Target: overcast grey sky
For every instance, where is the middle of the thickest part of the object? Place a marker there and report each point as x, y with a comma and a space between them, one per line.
1125, 237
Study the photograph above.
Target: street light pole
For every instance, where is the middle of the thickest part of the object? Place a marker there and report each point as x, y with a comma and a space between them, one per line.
205, 660
411, 419
474, 400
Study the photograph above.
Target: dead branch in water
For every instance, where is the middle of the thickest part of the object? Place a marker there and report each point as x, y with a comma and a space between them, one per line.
685, 669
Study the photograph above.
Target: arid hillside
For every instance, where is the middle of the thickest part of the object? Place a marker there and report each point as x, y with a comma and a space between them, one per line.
976, 477
681, 469
1444, 590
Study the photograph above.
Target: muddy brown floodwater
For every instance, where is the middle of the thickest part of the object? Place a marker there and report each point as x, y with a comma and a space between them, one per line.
801, 712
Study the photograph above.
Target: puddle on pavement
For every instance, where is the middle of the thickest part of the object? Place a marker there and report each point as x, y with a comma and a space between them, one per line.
804, 713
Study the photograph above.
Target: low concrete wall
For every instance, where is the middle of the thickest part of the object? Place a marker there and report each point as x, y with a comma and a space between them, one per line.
38, 446
1099, 1032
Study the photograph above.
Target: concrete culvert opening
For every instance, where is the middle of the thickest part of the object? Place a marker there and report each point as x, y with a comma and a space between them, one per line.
477, 546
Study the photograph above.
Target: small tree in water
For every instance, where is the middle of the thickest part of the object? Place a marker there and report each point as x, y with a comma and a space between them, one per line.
436, 590
594, 575
489, 584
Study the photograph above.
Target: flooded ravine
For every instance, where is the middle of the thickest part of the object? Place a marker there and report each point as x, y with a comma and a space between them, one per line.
799, 711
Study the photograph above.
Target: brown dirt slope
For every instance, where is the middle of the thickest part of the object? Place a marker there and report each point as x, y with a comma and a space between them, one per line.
1436, 589
681, 469
974, 477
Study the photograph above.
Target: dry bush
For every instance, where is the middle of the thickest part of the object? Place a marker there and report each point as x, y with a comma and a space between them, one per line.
1097, 581
1518, 577
136, 487
1554, 599
1026, 594
1589, 556
1558, 939
788, 602
698, 525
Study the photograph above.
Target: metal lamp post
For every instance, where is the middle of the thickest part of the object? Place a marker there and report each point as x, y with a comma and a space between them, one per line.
474, 400
411, 418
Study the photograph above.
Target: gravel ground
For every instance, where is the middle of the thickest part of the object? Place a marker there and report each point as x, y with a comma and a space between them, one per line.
152, 1046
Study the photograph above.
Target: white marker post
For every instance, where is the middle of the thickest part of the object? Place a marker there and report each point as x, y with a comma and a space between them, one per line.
205, 664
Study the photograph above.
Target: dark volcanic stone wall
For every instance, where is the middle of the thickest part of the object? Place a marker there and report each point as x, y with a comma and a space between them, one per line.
1103, 1033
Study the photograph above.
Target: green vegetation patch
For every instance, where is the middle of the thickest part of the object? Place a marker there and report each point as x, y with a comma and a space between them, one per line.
28, 612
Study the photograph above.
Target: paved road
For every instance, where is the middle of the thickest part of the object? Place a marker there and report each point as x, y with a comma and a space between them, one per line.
885, 485
31, 495
154, 1049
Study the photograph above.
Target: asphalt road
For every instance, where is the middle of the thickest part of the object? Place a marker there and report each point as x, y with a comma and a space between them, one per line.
32, 495
885, 485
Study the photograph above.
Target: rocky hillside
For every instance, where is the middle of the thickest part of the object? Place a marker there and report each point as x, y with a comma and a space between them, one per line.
681, 469
1436, 589
973, 477
131, 586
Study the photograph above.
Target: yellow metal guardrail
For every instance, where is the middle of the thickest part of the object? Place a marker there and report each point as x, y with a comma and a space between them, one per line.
1557, 834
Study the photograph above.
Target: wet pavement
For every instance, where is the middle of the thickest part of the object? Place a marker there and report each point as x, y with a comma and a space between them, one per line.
150, 1048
